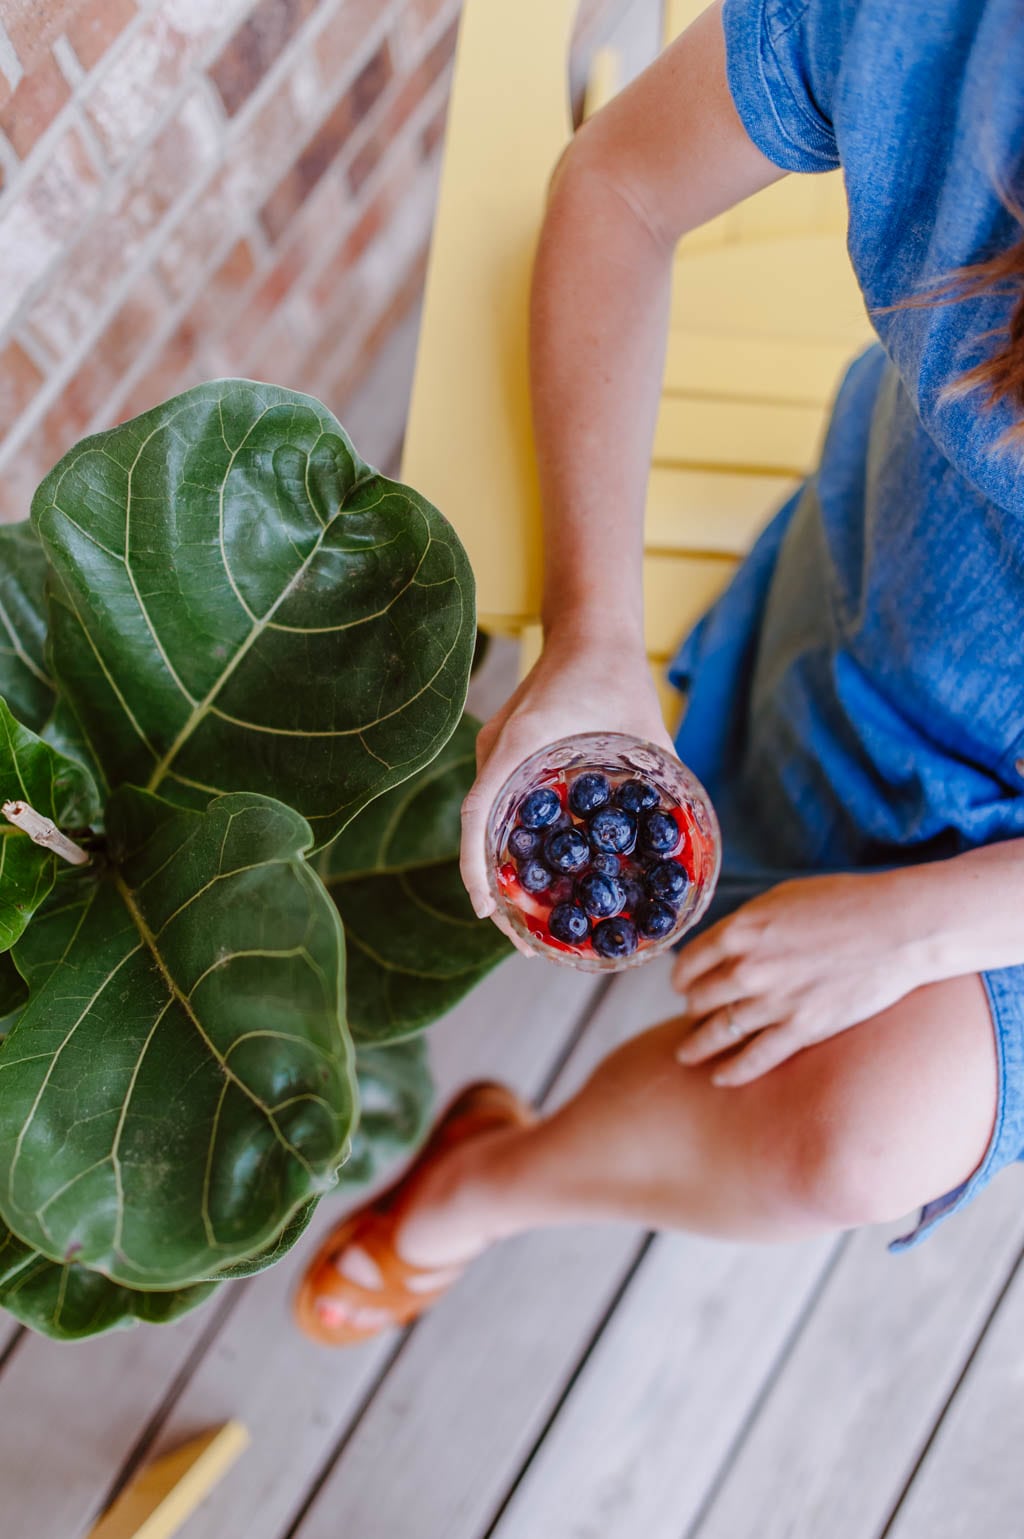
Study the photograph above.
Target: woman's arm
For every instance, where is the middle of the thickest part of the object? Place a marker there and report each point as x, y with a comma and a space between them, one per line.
666, 155
812, 957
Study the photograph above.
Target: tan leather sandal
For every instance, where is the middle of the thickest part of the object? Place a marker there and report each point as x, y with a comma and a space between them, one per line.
483, 1106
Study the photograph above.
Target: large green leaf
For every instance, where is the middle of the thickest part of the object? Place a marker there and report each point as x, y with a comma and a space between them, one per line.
415, 947
57, 787
240, 603
180, 1083
25, 681
68, 1302
396, 1094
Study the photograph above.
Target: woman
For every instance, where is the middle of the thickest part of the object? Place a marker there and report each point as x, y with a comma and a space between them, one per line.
849, 1045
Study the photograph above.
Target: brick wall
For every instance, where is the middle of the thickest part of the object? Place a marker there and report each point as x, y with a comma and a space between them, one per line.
191, 188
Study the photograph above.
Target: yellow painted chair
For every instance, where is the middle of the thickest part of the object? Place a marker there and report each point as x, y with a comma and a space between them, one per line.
765, 313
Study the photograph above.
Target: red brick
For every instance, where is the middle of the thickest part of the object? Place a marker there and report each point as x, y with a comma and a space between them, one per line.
338, 391
344, 36
42, 217
433, 132
325, 145
422, 16
219, 295
32, 25
412, 93
256, 154
98, 264
127, 102
19, 381
247, 56
98, 24
36, 102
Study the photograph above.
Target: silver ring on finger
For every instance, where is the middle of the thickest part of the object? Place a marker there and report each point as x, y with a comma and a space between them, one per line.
732, 1025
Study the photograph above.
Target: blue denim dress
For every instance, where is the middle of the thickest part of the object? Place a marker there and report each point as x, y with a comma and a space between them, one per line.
856, 697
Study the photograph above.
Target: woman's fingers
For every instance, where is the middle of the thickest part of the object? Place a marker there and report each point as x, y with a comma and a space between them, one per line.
701, 955
725, 1029
764, 1052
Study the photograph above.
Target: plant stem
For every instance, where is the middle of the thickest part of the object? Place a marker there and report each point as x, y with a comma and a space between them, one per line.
45, 832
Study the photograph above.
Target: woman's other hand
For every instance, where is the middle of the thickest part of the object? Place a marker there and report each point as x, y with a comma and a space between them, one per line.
797, 965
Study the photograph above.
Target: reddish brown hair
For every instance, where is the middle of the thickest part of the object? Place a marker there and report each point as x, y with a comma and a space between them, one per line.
1000, 376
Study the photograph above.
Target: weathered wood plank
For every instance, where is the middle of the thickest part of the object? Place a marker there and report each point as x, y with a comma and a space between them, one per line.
854, 1406
458, 1413
971, 1481
655, 1411
297, 1399
71, 1415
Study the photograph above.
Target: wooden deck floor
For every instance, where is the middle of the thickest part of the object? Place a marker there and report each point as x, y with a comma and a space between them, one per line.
588, 1383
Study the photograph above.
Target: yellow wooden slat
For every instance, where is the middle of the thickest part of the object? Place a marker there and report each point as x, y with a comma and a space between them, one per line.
603, 82
739, 435
469, 444
679, 14
677, 591
710, 512
800, 288
804, 373
164, 1495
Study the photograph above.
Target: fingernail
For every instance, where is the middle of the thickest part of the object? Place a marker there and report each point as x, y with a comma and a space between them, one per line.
684, 1055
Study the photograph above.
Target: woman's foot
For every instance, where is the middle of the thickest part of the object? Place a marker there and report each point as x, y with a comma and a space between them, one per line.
395, 1256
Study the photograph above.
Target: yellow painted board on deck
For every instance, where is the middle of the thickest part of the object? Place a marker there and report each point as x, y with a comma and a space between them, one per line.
164, 1495
799, 373
800, 287
679, 14
751, 435
603, 82
709, 512
469, 444
677, 591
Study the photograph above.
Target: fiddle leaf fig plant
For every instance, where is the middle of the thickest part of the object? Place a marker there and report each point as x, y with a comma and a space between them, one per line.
233, 664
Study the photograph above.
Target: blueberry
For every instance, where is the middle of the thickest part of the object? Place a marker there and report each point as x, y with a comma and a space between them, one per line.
569, 923
607, 865
615, 938
566, 850
655, 919
636, 796
612, 832
601, 896
539, 808
534, 876
523, 843
633, 893
666, 881
589, 792
659, 833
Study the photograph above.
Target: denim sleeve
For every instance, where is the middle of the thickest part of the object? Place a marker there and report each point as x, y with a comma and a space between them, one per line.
782, 60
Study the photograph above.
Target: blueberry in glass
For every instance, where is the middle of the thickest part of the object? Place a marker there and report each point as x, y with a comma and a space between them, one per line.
612, 831
633, 892
636, 796
523, 843
655, 919
569, 924
566, 850
658, 833
534, 876
588, 792
600, 896
666, 881
540, 808
615, 938
607, 865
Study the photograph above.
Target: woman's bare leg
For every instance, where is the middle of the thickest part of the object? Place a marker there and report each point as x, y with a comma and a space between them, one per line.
856, 1130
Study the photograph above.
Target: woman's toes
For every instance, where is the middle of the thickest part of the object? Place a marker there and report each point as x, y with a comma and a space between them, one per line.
359, 1267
